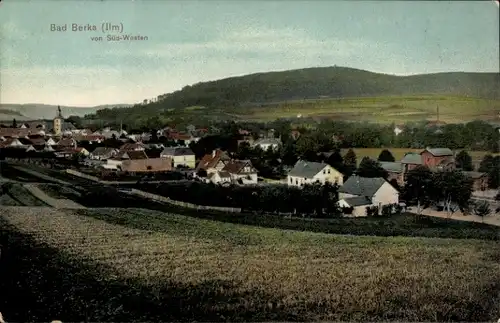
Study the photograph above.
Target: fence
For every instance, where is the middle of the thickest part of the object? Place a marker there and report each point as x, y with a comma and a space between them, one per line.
184, 204
159, 198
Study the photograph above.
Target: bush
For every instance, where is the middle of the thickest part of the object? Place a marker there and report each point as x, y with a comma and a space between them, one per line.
372, 210
347, 210
387, 210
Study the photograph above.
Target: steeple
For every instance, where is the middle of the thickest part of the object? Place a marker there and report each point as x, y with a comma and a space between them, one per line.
59, 113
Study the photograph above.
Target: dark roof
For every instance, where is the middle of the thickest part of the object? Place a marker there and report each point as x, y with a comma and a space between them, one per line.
153, 153
362, 186
412, 158
306, 169
439, 152
357, 201
99, 151
177, 151
238, 166
135, 154
392, 167
474, 175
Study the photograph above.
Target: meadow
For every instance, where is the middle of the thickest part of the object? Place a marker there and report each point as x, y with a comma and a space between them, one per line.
143, 265
397, 109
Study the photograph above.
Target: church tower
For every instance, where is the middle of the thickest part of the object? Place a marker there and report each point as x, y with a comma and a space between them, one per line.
58, 120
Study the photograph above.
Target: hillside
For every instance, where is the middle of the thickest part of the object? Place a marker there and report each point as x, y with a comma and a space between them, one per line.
330, 82
32, 111
317, 87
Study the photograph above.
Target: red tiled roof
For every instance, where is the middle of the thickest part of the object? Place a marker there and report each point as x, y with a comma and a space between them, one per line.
236, 166
209, 161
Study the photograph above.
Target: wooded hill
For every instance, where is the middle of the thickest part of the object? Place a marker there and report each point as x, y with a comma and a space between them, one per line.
321, 83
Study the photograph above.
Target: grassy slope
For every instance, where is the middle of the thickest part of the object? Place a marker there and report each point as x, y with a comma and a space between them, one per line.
382, 109
197, 270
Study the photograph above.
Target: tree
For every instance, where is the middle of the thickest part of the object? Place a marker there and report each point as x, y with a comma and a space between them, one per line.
371, 168
482, 209
386, 156
464, 161
350, 162
486, 164
451, 187
494, 173
14, 123
418, 187
289, 154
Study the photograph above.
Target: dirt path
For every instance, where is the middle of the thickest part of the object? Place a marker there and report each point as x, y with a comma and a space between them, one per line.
492, 219
56, 203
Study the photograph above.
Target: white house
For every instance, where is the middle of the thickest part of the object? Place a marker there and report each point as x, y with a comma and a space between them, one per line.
267, 143
234, 171
181, 156
361, 192
305, 172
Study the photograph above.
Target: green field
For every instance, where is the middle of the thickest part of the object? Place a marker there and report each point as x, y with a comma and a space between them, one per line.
383, 109
124, 265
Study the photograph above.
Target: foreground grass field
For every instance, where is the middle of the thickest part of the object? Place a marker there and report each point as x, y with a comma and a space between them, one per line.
73, 266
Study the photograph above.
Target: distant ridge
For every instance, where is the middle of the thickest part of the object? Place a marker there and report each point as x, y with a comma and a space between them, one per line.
31, 111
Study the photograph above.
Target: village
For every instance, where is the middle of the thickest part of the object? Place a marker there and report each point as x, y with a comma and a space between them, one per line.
165, 155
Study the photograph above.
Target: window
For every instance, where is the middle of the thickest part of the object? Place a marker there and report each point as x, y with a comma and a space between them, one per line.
149, 168
328, 171
291, 180
324, 171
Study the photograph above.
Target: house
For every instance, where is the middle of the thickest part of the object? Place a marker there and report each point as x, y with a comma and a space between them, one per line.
395, 171
438, 158
147, 165
102, 153
70, 152
267, 143
213, 162
90, 138
51, 142
178, 138
11, 142
67, 143
117, 161
219, 177
241, 170
180, 156
37, 141
479, 180
361, 192
305, 172
14, 132
137, 146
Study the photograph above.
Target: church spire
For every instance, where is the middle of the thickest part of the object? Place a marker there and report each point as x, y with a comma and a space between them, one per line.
59, 113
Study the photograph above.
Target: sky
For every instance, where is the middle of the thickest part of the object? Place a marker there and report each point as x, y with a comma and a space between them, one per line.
195, 41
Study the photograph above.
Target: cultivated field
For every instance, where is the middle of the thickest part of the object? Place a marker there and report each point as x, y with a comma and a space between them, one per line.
397, 109
399, 153
115, 264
